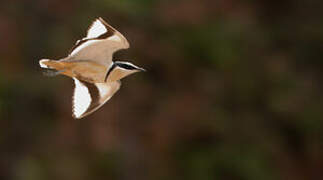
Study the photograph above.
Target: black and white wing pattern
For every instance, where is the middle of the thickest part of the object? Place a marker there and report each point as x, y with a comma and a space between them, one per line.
101, 41
89, 97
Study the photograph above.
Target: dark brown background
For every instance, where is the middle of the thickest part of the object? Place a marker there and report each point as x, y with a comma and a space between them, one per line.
233, 90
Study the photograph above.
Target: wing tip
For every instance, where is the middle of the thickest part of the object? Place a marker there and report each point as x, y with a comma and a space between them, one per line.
76, 117
109, 32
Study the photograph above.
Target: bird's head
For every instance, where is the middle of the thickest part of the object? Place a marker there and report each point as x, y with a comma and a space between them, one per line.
122, 69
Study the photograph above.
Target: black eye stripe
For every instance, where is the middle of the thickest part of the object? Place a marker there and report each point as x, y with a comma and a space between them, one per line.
121, 65
126, 66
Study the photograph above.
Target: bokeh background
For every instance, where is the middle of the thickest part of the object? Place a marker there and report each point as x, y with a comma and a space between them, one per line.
233, 91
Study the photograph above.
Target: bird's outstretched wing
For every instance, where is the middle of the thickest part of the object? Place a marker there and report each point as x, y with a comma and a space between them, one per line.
101, 41
89, 97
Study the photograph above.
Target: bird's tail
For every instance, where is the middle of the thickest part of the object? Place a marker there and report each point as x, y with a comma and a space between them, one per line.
48, 64
52, 67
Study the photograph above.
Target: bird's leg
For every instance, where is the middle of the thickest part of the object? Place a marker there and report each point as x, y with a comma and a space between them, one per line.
52, 72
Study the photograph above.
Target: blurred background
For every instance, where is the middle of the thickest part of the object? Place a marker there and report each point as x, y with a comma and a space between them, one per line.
232, 92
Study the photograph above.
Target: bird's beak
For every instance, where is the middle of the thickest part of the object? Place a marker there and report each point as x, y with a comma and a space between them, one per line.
142, 69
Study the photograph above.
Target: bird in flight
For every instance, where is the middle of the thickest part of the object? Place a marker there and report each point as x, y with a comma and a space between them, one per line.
96, 76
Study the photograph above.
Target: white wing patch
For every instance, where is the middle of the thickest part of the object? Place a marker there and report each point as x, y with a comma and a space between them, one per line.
81, 99
96, 29
83, 104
